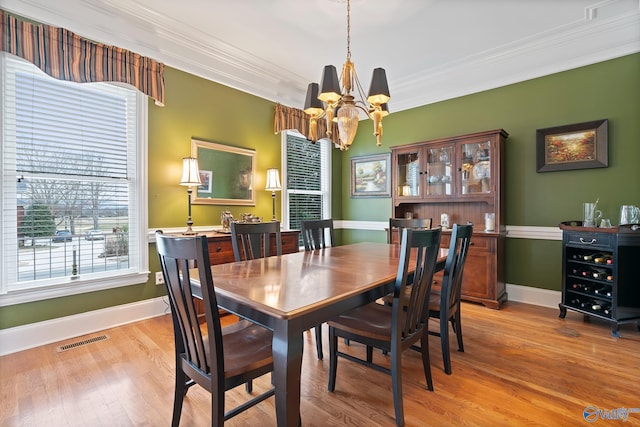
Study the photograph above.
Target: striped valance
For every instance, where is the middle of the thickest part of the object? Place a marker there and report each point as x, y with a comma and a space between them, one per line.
67, 56
293, 118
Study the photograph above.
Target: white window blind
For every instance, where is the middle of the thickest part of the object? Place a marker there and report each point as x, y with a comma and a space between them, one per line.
307, 179
73, 211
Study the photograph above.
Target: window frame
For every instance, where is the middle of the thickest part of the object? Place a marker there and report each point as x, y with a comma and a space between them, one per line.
325, 183
65, 286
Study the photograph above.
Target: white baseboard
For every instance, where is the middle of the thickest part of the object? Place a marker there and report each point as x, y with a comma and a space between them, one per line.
32, 335
535, 296
36, 334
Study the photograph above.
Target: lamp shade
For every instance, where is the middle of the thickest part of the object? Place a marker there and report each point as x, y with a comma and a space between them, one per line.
190, 172
312, 105
379, 89
330, 91
273, 180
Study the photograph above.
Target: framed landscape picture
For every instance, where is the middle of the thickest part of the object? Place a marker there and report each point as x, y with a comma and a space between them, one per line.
576, 146
371, 176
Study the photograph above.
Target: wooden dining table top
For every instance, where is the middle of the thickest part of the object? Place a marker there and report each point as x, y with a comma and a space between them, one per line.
289, 285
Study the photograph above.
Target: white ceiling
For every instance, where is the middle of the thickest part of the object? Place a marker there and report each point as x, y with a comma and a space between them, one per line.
432, 50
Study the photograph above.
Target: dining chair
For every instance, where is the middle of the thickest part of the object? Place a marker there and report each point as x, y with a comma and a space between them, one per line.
217, 359
445, 304
317, 234
401, 223
253, 240
449, 293
393, 328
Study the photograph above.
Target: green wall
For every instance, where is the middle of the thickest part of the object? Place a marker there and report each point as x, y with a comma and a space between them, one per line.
208, 111
205, 110
607, 90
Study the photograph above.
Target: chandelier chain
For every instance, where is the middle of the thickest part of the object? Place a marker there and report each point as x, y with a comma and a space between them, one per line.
349, 30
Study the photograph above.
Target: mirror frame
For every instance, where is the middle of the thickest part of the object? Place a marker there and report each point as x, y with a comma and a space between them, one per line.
196, 146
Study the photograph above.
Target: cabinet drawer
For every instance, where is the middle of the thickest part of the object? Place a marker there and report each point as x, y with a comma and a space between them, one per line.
290, 242
586, 239
477, 243
220, 251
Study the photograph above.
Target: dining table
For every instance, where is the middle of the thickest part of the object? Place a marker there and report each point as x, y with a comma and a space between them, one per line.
292, 293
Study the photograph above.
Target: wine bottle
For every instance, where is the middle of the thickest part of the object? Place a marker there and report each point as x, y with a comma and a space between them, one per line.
606, 309
604, 290
603, 259
599, 273
596, 306
576, 286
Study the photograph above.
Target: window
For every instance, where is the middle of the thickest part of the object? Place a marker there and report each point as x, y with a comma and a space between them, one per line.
73, 164
307, 179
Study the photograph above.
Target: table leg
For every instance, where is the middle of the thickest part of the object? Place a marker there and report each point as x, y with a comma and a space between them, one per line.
287, 366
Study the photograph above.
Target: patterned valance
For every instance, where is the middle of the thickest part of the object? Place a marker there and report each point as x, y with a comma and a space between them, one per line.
66, 56
293, 118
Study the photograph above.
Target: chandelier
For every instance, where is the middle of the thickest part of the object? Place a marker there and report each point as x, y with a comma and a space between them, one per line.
334, 102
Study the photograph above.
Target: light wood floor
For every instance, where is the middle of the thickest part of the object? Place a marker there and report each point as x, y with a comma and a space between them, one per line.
522, 365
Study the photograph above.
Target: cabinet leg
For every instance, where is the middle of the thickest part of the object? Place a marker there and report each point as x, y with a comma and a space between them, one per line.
563, 311
615, 330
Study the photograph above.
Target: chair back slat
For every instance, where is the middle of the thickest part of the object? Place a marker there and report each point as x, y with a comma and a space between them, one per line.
314, 234
411, 315
402, 223
177, 255
454, 266
253, 240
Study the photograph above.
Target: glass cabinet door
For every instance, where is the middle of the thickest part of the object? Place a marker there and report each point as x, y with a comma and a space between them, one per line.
408, 174
439, 169
476, 168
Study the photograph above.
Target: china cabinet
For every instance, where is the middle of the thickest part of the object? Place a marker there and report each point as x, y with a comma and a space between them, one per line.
599, 276
460, 177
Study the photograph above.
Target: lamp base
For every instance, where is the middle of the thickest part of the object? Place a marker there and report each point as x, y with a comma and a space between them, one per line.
189, 231
273, 202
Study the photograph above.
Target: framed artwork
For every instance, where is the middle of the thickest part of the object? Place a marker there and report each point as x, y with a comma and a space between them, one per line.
576, 146
371, 176
206, 177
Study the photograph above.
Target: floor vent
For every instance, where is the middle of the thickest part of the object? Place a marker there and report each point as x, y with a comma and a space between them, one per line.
81, 343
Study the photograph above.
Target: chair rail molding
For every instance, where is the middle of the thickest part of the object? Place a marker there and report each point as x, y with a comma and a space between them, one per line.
513, 231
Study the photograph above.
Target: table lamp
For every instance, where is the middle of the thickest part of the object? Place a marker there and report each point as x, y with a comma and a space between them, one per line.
190, 177
273, 185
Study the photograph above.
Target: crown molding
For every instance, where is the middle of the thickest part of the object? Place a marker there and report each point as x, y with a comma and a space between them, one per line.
608, 29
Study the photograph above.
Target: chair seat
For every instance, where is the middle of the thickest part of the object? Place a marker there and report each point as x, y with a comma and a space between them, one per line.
371, 320
247, 347
434, 299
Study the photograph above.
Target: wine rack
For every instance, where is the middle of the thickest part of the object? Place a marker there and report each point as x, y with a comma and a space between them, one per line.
601, 275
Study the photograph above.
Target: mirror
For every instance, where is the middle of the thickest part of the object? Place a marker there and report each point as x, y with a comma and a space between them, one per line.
226, 173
